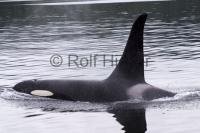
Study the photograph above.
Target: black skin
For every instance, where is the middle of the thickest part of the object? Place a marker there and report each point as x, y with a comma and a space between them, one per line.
128, 73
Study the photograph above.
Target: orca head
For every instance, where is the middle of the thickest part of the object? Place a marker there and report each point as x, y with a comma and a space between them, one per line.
25, 86
33, 87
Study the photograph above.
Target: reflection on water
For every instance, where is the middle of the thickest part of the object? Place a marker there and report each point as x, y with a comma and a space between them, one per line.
31, 34
130, 116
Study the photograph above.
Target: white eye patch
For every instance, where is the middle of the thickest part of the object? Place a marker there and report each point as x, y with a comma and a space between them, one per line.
42, 93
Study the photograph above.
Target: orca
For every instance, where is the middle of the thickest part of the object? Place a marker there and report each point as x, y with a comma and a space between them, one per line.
125, 82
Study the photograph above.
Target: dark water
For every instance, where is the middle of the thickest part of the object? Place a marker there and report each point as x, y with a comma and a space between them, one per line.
32, 31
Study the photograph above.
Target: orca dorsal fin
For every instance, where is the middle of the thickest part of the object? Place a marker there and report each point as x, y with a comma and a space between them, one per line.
131, 64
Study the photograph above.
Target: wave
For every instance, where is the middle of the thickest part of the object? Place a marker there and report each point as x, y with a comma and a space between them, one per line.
188, 99
48, 104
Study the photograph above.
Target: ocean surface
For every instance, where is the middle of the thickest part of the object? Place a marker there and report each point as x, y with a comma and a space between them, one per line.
34, 32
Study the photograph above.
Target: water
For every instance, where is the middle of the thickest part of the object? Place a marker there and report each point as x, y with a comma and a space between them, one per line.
32, 31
